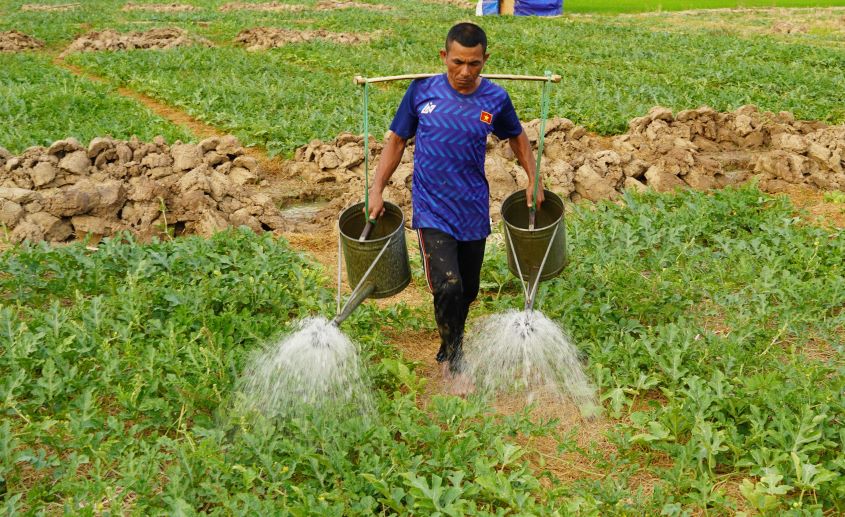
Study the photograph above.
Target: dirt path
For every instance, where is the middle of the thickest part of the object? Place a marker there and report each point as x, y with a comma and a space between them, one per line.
175, 115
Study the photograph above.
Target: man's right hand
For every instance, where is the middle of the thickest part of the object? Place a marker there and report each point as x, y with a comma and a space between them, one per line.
376, 205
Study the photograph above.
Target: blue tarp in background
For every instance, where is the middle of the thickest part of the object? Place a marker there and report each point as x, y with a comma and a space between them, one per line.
525, 7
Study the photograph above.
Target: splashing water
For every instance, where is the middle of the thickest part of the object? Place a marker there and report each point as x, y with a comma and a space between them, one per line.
524, 351
314, 370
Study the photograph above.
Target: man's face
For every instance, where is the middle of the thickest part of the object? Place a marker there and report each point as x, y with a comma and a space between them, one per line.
463, 66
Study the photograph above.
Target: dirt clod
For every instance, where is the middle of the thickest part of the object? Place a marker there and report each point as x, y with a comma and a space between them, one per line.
328, 5
788, 28
68, 190
16, 41
161, 8
151, 39
700, 148
263, 38
267, 7
48, 7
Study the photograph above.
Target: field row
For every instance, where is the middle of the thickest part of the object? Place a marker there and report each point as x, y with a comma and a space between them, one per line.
613, 70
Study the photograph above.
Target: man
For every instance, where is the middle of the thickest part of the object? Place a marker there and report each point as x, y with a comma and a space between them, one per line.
451, 115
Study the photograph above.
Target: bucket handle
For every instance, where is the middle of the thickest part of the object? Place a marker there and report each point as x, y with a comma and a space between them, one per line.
516, 261
529, 289
529, 302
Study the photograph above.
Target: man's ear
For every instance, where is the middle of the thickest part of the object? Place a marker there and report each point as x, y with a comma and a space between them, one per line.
442, 55
486, 57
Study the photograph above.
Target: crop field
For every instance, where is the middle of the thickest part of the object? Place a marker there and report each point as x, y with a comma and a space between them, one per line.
712, 323
614, 69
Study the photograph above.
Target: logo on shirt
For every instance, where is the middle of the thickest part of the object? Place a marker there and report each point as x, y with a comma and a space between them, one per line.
428, 108
487, 118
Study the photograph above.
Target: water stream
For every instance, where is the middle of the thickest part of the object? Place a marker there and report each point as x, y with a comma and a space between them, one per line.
527, 353
316, 369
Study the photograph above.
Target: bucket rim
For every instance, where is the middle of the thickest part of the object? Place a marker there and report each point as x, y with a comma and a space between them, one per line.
508, 200
387, 205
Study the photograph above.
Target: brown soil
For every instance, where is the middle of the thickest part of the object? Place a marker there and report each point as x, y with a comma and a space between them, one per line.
788, 28
49, 7
16, 41
151, 39
264, 38
329, 5
69, 190
465, 4
269, 7
161, 8
822, 212
320, 6
700, 149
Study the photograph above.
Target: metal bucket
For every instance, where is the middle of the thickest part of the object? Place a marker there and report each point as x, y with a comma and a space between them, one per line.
393, 272
531, 245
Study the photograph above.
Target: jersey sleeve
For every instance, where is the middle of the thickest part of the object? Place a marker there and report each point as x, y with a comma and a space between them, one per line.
506, 124
406, 119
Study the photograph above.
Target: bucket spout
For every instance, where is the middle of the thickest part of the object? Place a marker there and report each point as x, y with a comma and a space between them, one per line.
357, 298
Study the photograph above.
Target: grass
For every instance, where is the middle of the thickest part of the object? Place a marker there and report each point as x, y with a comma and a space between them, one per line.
297, 93
283, 98
637, 6
40, 104
119, 366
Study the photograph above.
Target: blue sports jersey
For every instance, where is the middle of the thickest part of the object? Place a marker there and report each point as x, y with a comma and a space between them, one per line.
450, 191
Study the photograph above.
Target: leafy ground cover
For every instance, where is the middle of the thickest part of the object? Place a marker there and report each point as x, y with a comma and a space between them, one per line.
727, 309
630, 6
283, 98
724, 310
627, 68
40, 104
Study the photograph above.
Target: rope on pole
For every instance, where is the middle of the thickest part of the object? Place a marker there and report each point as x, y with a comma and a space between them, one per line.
367, 150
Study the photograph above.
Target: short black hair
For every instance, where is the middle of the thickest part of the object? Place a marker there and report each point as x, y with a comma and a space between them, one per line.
468, 35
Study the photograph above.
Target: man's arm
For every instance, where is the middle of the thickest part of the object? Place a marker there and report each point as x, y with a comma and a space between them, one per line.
522, 149
391, 155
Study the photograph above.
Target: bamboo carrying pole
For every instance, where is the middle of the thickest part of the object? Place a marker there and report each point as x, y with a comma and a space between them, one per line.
364, 80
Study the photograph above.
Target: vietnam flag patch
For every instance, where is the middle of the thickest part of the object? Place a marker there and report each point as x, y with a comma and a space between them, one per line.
487, 118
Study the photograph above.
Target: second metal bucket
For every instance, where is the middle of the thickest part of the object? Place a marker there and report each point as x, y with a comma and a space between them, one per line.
531, 245
393, 272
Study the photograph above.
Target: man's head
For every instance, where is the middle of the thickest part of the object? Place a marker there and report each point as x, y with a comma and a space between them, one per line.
464, 56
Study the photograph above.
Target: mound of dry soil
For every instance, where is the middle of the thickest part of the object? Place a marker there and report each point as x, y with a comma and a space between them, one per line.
67, 190
788, 28
268, 7
263, 38
162, 8
151, 39
15, 41
327, 5
701, 149
466, 4
48, 7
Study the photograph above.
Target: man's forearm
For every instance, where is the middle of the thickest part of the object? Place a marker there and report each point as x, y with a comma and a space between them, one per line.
391, 155
522, 149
